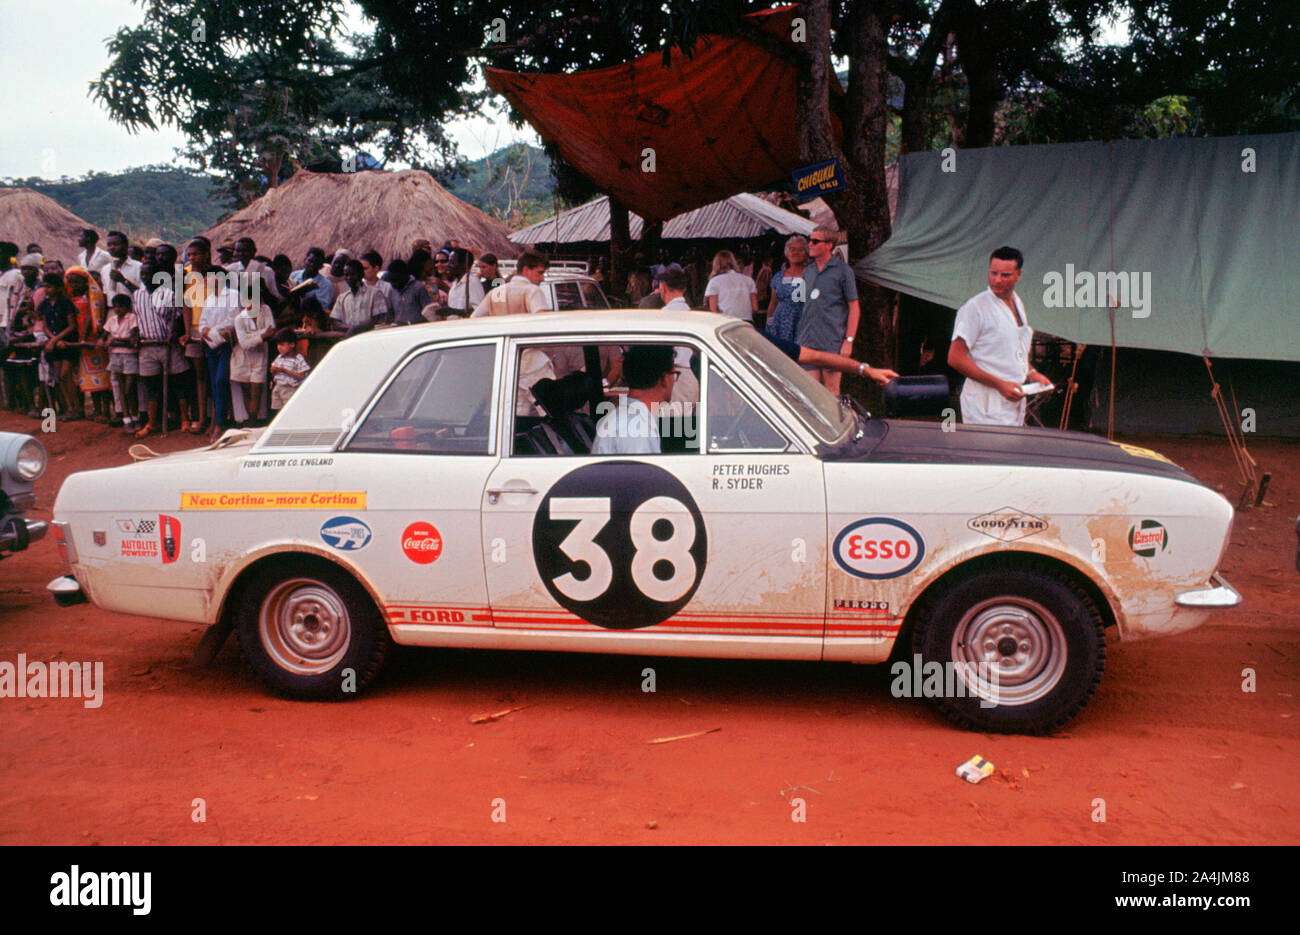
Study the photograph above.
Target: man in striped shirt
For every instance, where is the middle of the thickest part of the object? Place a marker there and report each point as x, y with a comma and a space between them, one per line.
159, 317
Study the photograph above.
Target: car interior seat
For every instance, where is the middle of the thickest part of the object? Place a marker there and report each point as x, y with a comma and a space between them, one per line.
560, 400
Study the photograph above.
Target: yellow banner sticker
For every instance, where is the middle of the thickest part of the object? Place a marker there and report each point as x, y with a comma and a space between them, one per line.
1139, 452
275, 500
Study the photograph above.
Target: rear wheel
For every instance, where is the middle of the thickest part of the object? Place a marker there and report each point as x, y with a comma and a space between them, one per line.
310, 631
1021, 650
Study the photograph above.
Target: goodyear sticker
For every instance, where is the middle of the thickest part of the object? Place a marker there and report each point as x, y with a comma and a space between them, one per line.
345, 533
274, 500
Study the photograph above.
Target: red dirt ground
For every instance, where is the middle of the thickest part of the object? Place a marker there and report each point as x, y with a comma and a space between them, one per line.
1179, 753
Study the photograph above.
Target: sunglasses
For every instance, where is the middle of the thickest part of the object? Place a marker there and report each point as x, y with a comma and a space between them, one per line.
819, 240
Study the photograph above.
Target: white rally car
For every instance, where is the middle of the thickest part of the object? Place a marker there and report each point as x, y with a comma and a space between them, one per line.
433, 485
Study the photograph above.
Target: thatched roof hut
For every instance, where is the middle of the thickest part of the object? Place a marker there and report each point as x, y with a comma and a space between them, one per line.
360, 211
27, 216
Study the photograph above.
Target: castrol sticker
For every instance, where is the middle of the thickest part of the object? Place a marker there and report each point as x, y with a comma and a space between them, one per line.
422, 543
878, 548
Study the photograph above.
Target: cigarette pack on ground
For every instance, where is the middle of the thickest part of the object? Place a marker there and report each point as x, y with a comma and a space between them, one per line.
975, 769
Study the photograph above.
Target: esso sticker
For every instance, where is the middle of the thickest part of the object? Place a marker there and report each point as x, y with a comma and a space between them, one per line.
422, 543
878, 548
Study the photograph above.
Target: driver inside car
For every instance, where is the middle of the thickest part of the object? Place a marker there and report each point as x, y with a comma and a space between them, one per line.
631, 427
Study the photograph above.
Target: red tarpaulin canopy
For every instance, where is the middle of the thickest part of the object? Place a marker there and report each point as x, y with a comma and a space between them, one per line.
719, 123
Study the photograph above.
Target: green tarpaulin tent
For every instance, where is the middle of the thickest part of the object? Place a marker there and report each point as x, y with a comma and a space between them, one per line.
1198, 239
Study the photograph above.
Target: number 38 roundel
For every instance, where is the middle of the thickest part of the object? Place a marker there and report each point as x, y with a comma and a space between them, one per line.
620, 544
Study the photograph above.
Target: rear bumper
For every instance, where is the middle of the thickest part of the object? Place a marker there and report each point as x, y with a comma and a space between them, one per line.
17, 533
67, 591
1221, 594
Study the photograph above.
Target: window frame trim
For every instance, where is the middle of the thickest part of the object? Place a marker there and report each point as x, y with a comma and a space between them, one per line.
708, 355
407, 360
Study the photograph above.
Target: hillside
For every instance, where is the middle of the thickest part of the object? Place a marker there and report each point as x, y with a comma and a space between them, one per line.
514, 185
152, 201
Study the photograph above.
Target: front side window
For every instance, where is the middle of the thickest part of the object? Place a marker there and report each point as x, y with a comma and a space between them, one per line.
815, 406
440, 403
735, 425
606, 399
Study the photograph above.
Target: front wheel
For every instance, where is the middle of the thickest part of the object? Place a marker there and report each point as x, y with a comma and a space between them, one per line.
310, 632
1019, 650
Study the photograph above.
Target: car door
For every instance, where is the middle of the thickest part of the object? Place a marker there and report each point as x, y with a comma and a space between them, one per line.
424, 448
712, 546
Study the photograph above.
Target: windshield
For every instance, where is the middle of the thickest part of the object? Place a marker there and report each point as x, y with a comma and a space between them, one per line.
812, 402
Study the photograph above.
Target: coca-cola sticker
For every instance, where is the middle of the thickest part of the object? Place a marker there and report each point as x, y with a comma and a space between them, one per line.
422, 543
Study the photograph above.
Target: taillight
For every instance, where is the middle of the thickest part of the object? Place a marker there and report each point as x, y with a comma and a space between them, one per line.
63, 542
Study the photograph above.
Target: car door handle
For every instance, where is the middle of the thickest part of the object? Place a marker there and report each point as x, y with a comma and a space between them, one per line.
495, 493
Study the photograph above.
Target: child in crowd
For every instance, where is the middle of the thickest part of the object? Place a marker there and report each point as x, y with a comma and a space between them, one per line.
21, 363
121, 335
254, 326
287, 370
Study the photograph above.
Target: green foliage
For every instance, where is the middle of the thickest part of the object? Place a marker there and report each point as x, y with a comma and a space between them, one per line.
262, 88
151, 201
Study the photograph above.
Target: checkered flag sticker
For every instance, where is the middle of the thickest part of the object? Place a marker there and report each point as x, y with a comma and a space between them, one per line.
145, 526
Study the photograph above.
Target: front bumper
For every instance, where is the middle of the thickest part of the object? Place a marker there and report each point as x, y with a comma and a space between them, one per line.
16, 533
1221, 594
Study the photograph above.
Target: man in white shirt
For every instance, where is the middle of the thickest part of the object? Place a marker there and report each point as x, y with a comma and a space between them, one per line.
632, 427
217, 331
672, 289
92, 257
262, 276
371, 264
358, 306
991, 341
122, 275
523, 294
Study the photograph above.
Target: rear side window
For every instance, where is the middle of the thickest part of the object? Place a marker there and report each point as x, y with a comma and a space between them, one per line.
441, 403
592, 297
566, 296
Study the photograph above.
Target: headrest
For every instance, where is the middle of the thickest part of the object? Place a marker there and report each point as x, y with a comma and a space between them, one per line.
563, 396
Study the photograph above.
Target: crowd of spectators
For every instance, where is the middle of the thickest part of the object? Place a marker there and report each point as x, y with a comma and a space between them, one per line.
136, 334
143, 337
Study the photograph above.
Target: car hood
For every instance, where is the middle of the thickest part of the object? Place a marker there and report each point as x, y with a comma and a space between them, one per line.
891, 441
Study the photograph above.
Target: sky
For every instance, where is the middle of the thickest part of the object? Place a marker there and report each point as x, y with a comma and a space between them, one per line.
50, 51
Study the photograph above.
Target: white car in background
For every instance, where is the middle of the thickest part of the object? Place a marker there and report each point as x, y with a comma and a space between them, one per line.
567, 286
425, 487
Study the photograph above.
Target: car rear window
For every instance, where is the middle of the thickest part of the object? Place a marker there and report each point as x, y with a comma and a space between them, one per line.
440, 403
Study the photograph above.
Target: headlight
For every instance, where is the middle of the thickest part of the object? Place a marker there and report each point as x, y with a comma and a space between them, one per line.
30, 461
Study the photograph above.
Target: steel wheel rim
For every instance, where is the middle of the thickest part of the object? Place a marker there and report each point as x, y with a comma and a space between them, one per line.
304, 626
1018, 640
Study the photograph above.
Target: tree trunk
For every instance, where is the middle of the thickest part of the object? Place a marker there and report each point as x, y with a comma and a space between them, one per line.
620, 245
862, 208
918, 80
978, 54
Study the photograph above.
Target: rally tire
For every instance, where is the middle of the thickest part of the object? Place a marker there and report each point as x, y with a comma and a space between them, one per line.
1036, 628
302, 626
